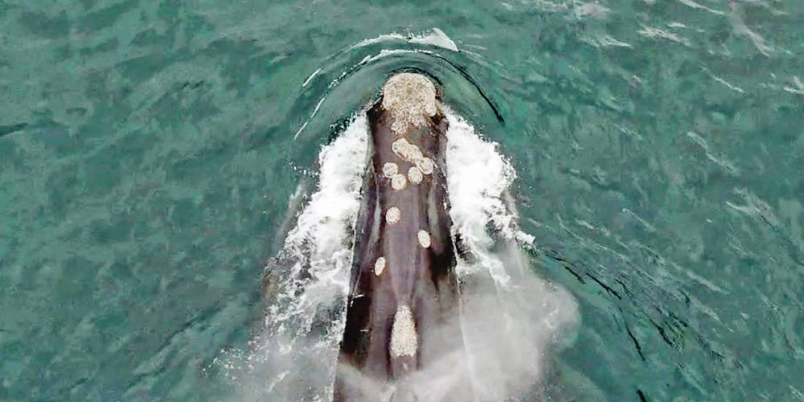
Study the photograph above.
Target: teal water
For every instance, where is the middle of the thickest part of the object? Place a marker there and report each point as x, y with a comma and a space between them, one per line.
147, 156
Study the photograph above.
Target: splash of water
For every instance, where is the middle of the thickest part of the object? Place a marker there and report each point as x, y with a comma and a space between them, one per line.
509, 316
294, 356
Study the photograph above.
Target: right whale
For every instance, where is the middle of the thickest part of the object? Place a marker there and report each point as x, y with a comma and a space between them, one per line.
402, 319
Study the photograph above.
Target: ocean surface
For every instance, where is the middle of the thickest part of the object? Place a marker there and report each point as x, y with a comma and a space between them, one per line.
155, 155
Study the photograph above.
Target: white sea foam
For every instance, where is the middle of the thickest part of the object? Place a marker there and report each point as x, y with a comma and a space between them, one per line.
509, 316
322, 234
478, 179
386, 53
304, 322
435, 37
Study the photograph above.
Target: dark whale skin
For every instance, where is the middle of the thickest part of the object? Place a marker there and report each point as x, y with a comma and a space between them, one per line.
421, 278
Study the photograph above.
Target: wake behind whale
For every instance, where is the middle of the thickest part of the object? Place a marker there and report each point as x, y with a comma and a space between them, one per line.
404, 278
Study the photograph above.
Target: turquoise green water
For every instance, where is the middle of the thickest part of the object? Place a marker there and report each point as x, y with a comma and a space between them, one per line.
147, 157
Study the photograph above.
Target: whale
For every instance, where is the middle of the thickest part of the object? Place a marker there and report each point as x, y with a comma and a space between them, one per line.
403, 296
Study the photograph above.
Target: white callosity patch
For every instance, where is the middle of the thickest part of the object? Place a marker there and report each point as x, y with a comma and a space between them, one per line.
424, 238
404, 340
379, 266
405, 150
415, 175
390, 169
400, 147
393, 215
410, 98
398, 182
426, 165
411, 153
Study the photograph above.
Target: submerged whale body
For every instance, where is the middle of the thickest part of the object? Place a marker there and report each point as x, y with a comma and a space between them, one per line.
401, 319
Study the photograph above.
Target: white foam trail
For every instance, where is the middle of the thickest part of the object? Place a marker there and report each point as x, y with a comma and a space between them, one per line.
798, 89
300, 130
310, 78
436, 37
322, 236
379, 39
509, 320
385, 53
305, 320
317, 106
478, 178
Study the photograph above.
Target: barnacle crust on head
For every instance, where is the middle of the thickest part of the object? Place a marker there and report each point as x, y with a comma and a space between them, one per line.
410, 98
